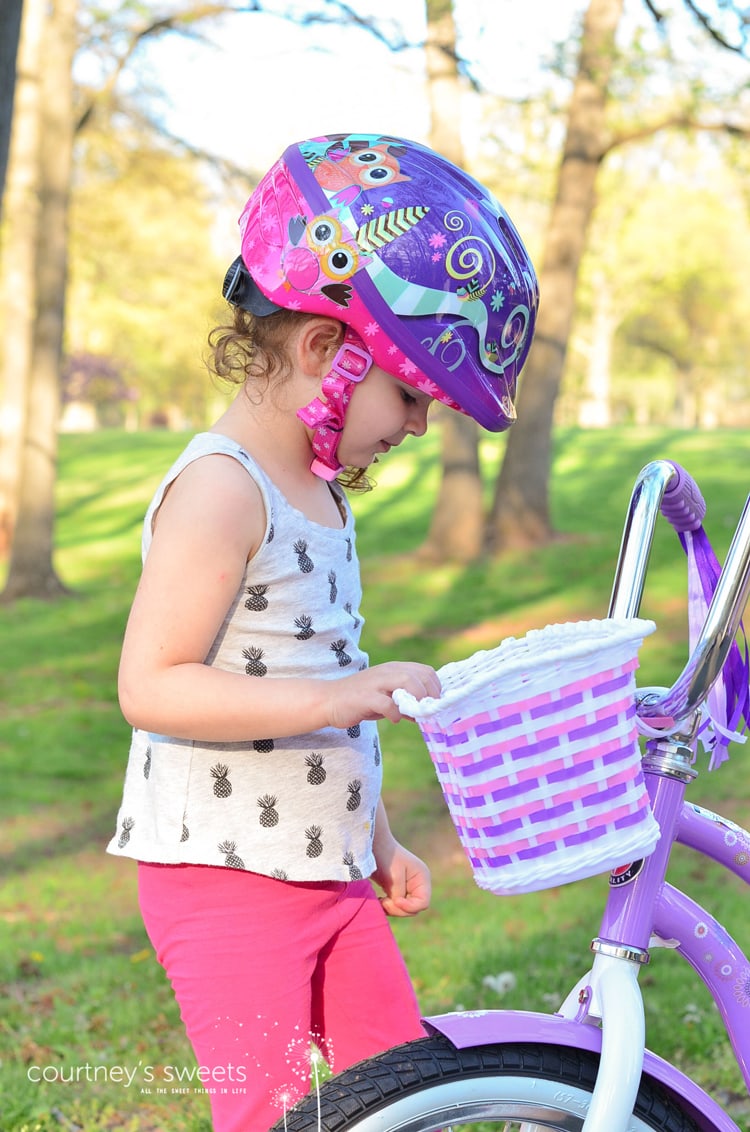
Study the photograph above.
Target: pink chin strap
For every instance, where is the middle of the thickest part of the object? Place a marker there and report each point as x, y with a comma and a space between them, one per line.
326, 414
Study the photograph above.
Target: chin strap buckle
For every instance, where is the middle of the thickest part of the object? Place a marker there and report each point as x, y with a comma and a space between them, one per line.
326, 414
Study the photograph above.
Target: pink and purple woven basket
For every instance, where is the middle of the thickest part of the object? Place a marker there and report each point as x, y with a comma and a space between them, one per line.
536, 750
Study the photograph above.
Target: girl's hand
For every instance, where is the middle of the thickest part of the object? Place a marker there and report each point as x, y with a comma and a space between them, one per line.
405, 880
368, 694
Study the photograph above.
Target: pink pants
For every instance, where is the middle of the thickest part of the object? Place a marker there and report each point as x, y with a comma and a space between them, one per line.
260, 967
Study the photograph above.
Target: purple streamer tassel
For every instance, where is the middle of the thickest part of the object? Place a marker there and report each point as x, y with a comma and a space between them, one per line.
728, 702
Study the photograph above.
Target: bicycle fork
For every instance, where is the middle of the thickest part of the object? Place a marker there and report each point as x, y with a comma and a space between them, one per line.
610, 994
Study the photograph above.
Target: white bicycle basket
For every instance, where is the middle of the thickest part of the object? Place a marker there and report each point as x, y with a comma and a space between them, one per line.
536, 750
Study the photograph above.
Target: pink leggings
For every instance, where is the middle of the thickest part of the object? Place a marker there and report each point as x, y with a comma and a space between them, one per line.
260, 966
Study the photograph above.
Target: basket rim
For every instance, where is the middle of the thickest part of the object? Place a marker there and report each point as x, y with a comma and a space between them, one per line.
569, 640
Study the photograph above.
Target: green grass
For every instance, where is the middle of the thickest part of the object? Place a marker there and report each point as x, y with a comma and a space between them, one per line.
80, 985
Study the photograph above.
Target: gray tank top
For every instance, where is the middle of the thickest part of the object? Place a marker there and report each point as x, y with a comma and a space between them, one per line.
299, 808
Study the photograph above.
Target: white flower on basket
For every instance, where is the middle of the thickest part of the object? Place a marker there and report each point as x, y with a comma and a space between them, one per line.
502, 983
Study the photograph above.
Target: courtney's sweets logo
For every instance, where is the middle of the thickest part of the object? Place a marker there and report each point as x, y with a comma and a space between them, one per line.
140, 1075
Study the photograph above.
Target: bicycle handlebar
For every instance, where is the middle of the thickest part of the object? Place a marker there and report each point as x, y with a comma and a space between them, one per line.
682, 503
637, 536
663, 485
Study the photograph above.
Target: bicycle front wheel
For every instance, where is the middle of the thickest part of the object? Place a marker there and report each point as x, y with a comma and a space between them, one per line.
428, 1086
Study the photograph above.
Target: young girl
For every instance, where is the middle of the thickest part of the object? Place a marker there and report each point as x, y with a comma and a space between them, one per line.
374, 277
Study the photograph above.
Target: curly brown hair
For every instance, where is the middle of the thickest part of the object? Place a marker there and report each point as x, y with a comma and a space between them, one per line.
252, 352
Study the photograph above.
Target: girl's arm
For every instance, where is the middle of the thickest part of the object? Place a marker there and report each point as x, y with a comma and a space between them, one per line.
404, 878
211, 521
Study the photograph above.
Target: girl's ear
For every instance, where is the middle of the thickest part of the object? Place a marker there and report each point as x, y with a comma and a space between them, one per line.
317, 344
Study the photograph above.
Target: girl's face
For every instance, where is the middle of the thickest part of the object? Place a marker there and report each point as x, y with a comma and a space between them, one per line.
382, 411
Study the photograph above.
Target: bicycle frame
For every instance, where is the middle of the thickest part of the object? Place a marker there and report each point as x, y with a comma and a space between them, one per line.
604, 1010
709, 949
705, 944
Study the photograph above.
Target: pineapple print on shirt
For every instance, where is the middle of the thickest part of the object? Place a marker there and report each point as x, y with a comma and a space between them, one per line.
256, 598
342, 656
304, 561
255, 665
268, 814
222, 785
127, 825
304, 624
354, 872
232, 861
352, 614
316, 775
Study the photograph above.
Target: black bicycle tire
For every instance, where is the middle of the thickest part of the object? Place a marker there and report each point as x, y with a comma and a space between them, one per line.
406, 1075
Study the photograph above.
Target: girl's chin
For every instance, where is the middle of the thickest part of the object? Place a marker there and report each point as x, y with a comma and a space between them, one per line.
361, 461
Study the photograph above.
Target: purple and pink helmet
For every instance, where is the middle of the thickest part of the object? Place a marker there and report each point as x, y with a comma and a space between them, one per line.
413, 255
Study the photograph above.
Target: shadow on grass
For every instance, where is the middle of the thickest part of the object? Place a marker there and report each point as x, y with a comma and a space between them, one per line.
43, 834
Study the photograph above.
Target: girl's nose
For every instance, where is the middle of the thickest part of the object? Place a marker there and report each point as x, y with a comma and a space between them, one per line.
417, 423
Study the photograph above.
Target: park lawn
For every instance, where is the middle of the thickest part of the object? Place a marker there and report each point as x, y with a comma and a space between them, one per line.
85, 1004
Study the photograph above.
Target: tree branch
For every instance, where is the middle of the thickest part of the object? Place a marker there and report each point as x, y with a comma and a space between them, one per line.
366, 22
655, 343
742, 15
227, 170
674, 122
658, 16
393, 44
714, 32
181, 23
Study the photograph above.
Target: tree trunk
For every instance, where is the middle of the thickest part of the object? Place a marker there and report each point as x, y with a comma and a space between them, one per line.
520, 512
19, 300
31, 572
457, 526
595, 409
10, 27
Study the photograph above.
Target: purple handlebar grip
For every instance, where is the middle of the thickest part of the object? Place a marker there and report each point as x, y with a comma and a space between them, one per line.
683, 505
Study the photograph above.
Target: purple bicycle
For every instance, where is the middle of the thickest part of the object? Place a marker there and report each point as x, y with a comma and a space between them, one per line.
586, 1067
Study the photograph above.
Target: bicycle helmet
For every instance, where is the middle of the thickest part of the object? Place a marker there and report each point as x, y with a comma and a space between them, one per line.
414, 256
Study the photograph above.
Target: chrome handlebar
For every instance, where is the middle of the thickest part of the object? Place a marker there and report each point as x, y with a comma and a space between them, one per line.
725, 612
